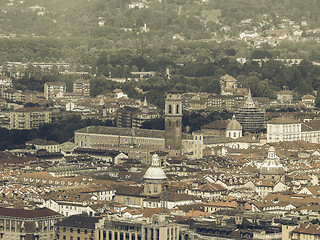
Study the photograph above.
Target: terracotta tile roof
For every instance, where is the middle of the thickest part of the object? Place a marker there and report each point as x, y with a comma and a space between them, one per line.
129, 190
219, 124
148, 212
79, 221
284, 120
309, 229
197, 214
127, 132
30, 109
22, 213
211, 187
223, 204
39, 141
310, 126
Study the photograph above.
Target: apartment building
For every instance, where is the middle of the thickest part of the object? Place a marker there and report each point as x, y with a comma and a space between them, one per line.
28, 118
28, 223
51, 89
82, 86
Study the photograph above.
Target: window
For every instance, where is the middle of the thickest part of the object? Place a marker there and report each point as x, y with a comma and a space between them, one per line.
79, 231
85, 231
64, 229
177, 109
71, 230
170, 109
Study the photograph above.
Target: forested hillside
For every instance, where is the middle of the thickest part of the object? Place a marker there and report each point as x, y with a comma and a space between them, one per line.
197, 40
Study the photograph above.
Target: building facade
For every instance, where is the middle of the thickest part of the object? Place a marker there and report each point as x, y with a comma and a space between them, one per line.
251, 117
173, 122
28, 118
82, 86
159, 228
79, 227
137, 143
51, 89
27, 224
283, 129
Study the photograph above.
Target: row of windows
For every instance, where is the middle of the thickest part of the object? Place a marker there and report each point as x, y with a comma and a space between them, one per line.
123, 139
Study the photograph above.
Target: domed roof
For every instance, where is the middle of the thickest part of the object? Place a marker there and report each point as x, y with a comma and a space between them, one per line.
233, 124
155, 171
272, 165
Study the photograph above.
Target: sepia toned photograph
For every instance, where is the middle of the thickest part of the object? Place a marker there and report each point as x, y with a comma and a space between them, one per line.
159, 119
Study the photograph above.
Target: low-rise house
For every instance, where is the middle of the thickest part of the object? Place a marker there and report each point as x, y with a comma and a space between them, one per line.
49, 146
208, 191
285, 96
265, 187
308, 101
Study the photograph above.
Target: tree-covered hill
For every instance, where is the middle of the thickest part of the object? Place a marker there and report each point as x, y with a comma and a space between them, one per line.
193, 19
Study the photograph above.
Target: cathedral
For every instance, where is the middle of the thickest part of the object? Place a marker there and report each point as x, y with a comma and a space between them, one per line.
139, 143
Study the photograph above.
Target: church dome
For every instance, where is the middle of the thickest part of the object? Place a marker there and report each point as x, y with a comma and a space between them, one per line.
233, 124
155, 171
272, 165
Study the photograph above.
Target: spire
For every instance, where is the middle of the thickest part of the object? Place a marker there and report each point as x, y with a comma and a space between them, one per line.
145, 103
249, 102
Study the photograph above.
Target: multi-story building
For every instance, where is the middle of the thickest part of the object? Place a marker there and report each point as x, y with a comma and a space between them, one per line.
293, 231
125, 117
49, 146
86, 227
160, 227
282, 129
251, 117
194, 101
82, 86
51, 89
30, 96
286, 129
220, 102
134, 117
28, 223
228, 85
308, 101
13, 95
5, 83
143, 140
285, 96
79, 227
28, 118
145, 113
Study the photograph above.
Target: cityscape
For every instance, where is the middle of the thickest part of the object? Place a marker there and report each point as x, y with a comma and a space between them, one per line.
159, 120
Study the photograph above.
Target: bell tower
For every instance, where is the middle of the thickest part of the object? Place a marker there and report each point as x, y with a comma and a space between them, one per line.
173, 122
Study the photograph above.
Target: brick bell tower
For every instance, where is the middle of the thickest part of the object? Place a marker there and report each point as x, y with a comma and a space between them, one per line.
173, 122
